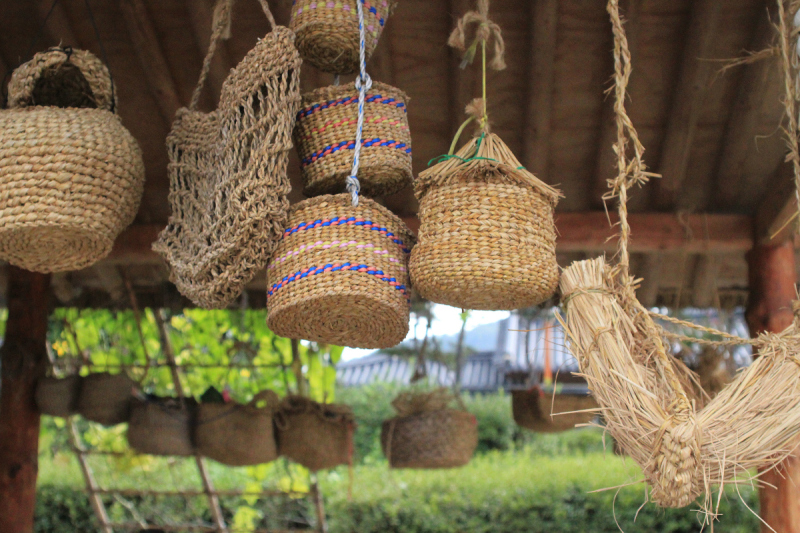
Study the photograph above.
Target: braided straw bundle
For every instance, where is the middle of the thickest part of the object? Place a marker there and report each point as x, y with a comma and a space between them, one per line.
228, 181
324, 135
71, 175
426, 433
238, 434
487, 237
315, 435
339, 275
651, 412
327, 31
549, 413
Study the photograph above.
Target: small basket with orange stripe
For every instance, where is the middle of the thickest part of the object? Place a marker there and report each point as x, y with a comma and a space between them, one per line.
340, 274
324, 135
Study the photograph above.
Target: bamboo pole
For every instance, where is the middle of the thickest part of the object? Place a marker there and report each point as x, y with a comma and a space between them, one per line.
91, 483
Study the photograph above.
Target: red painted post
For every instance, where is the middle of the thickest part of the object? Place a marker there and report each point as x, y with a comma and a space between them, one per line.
23, 358
772, 278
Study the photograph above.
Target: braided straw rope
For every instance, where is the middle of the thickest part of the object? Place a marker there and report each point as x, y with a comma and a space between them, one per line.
340, 274
227, 169
324, 134
650, 407
72, 176
327, 31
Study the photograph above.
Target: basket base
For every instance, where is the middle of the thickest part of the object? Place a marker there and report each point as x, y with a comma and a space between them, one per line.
55, 248
330, 47
376, 181
343, 319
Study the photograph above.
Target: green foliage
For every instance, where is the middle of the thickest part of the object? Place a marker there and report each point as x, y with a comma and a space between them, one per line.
63, 509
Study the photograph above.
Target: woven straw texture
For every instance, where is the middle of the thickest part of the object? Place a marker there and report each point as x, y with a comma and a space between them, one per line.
317, 436
327, 31
161, 427
427, 433
58, 396
325, 131
549, 413
228, 181
237, 434
487, 236
339, 275
71, 178
106, 398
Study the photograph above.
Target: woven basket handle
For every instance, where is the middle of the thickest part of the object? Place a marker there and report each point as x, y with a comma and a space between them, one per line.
219, 28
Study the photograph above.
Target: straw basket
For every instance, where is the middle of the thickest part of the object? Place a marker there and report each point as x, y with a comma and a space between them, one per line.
339, 275
444, 438
236, 434
315, 435
106, 398
486, 237
327, 31
227, 169
532, 410
325, 131
58, 396
71, 175
162, 426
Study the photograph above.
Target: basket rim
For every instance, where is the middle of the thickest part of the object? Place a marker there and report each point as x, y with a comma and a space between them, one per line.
331, 92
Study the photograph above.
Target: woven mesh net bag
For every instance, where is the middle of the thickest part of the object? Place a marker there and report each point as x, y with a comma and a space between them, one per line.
227, 169
324, 137
71, 175
427, 433
340, 274
327, 31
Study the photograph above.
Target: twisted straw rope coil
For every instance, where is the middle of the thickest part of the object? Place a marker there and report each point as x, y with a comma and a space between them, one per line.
228, 181
70, 178
324, 134
327, 31
340, 276
487, 236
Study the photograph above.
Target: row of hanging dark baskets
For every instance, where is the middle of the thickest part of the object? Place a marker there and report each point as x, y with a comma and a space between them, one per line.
71, 175
101, 397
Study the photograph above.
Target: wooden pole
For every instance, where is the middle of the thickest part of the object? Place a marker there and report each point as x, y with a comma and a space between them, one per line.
772, 280
23, 358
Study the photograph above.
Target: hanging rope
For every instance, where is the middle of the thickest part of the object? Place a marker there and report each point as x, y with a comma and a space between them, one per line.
363, 84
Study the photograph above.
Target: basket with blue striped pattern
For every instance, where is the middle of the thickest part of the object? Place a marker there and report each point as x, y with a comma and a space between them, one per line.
324, 135
340, 274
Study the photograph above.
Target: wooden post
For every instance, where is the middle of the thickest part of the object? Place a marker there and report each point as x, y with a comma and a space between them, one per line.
24, 360
772, 289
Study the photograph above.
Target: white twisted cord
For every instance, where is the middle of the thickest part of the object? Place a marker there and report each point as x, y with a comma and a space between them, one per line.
363, 84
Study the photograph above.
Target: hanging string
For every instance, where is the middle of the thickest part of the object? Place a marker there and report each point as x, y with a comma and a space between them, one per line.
363, 84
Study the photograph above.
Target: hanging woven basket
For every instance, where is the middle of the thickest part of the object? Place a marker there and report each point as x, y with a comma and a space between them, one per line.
106, 398
71, 175
227, 169
327, 31
238, 434
58, 396
428, 434
162, 426
549, 413
315, 435
339, 275
487, 239
324, 135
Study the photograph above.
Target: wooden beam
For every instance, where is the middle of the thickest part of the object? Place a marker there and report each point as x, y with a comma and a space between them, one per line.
752, 146
704, 282
155, 66
776, 218
23, 360
650, 273
201, 15
536, 135
694, 84
772, 277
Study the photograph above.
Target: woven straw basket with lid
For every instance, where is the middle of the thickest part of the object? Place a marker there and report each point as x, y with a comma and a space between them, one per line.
227, 169
324, 136
327, 31
71, 175
340, 274
487, 239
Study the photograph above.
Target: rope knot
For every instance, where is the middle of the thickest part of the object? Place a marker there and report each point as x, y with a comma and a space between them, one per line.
485, 31
477, 110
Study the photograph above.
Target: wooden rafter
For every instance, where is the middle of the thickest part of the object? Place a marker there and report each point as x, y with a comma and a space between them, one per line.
704, 283
154, 65
650, 273
693, 86
776, 218
536, 140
